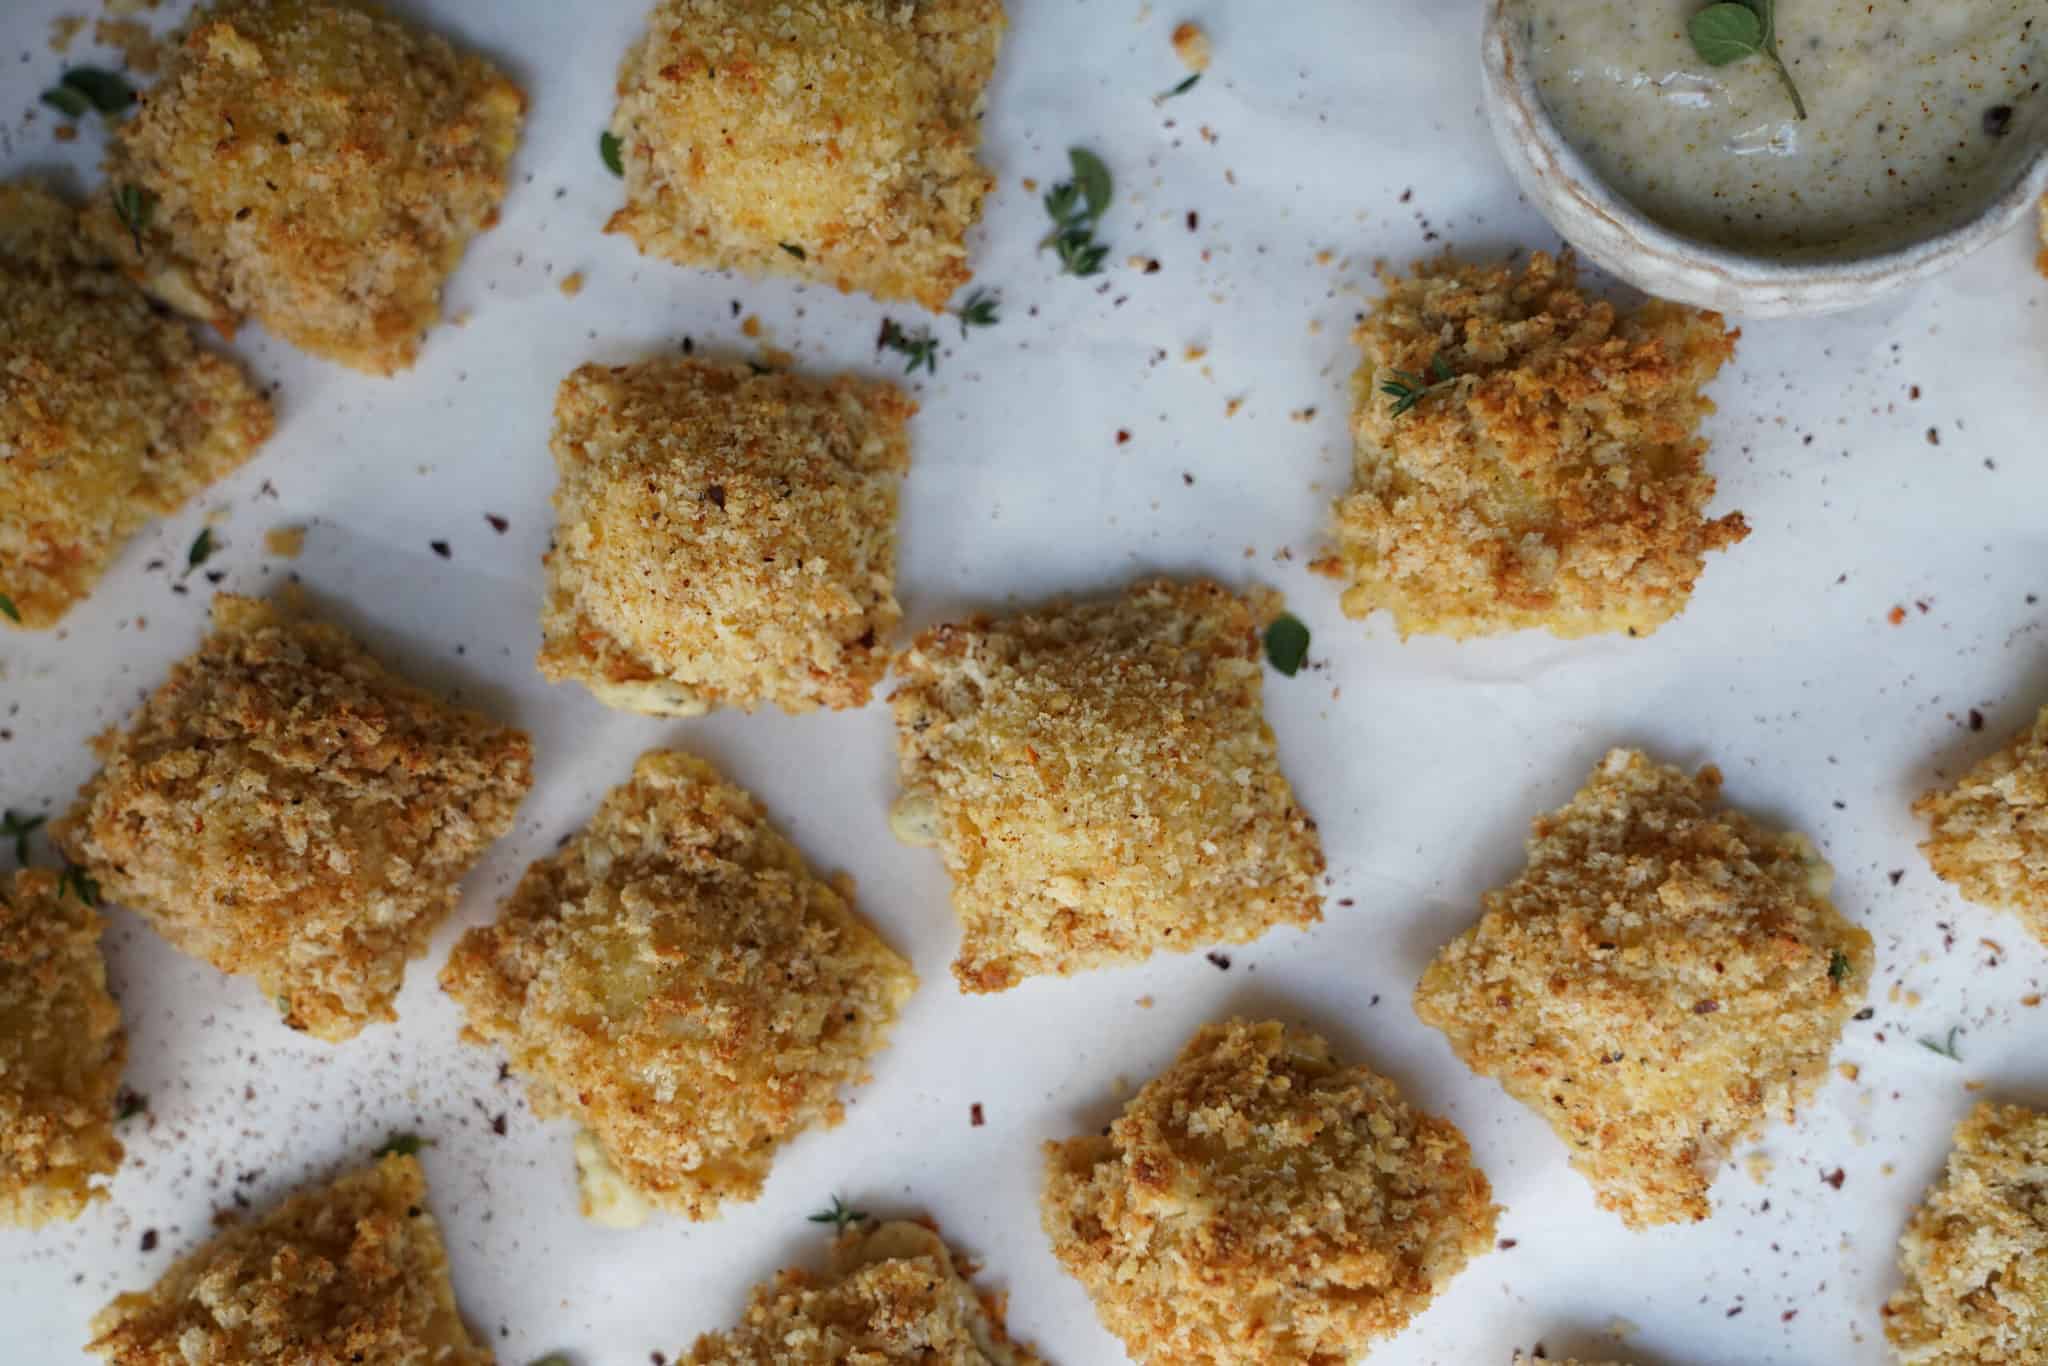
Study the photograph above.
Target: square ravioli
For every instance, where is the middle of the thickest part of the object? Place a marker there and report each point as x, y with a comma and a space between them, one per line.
1988, 835
353, 1271
894, 1294
1527, 456
286, 808
318, 165
1261, 1204
110, 415
832, 140
723, 538
1102, 783
1662, 979
677, 982
61, 1050
1975, 1254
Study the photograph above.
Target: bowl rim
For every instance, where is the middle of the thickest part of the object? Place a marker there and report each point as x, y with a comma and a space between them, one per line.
1620, 236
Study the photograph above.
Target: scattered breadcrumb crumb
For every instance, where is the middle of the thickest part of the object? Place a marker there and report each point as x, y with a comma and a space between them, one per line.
141, 51
572, 284
349, 1272
1759, 1166
285, 542
1261, 1204
64, 30
1662, 979
1191, 45
1988, 834
126, 7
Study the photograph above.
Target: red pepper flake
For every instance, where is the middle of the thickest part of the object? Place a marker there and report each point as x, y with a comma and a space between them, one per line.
1933, 436
1194, 220
1123, 436
975, 1116
1507, 1243
441, 548
1733, 1312
1976, 719
1897, 616
1896, 875
149, 1240
498, 524
1706, 1007
1788, 1316
1834, 1178
1221, 960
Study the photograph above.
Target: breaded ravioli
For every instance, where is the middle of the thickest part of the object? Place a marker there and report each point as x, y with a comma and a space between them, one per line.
1102, 783
723, 538
1975, 1255
1550, 473
677, 982
1662, 979
1261, 1204
317, 165
827, 139
61, 1050
109, 414
1988, 835
894, 1294
286, 808
351, 1272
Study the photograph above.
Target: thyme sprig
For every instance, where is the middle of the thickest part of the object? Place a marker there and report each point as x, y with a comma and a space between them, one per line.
1076, 207
1408, 389
19, 828
920, 347
1946, 1048
978, 311
841, 1216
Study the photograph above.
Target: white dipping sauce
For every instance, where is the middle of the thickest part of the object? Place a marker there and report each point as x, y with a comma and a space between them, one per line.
1918, 111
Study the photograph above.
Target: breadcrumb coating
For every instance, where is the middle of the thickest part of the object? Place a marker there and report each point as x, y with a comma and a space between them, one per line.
351, 1272
61, 1051
109, 414
318, 165
1975, 1254
1260, 1204
894, 1293
831, 140
1558, 481
1102, 783
1989, 833
1661, 980
678, 982
723, 538
287, 809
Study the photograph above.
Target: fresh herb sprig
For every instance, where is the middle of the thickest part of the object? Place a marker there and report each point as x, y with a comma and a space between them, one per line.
79, 883
841, 1216
1287, 644
1735, 29
203, 546
9, 610
919, 347
1946, 1048
89, 87
1076, 207
403, 1145
608, 151
1407, 389
1838, 967
980, 310
1189, 84
133, 205
19, 828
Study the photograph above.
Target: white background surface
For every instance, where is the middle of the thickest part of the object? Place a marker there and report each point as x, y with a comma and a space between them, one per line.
1330, 127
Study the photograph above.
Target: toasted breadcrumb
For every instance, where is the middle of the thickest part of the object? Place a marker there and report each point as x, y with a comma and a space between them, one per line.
1989, 833
286, 808
349, 1272
1975, 1254
678, 982
1260, 1204
1556, 483
61, 1050
1662, 979
1191, 45
141, 51
317, 165
1101, 782
285, 542
723, 537
894, 1293
109, 415
828, 139
2042, 260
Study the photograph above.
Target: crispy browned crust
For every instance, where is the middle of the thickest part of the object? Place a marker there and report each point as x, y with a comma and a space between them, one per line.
285, 807
1260, 1204
1557, 484
1662, 979
1975, 1254
109, 414
61, 1051
894, 1294
723, 538
1102, 782
317, 165
1988, 835
341, 1275
678, 982
831, 140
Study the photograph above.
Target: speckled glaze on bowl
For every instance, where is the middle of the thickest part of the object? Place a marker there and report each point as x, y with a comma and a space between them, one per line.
1616, 235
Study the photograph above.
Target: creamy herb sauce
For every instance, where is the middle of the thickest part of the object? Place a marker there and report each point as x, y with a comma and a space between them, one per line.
1918, 112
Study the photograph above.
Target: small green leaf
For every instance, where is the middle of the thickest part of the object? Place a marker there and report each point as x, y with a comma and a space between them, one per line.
403, 1145
66, 101
840, 1216
608, 148
9, 610
1838, 967
109, 92
133, 205
1287, 644
1093, 178
202, 549
1181, 89
793, 249
980, 310
1946, 1049
1726, 33
19, 828
79, 883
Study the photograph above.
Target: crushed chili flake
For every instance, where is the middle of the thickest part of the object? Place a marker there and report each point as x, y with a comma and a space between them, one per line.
975, 1116
149, 1240
1706, 1007
1221, 960
1507, 1243
1123, 436
1834, 1178
1976, 719
498, 524
1897, 616
1896, 875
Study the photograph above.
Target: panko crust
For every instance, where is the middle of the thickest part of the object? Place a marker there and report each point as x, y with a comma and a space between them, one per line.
318, 165
723, 538
109, 414
1557, 484
1261, 1204
61, 1051
1102, 783
1988, 835
286, 808
678, 982
1661, 980
894, 1293
1975, 1253
831, 140
346, 1273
